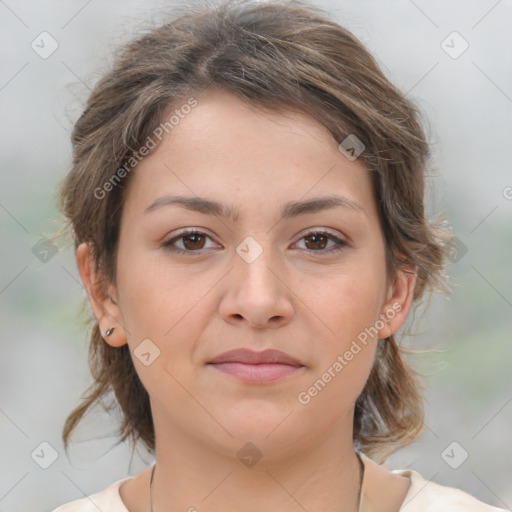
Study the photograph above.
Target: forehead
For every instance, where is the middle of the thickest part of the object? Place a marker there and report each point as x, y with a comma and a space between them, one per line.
232, 152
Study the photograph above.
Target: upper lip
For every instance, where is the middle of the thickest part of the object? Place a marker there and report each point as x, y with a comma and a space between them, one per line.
244, 355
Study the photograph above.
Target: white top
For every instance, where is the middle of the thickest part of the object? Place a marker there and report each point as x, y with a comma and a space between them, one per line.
422, 496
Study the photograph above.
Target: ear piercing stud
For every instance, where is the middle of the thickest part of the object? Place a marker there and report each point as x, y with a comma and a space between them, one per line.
109, 331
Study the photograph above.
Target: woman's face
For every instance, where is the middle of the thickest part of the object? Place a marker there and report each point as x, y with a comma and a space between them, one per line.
303, 277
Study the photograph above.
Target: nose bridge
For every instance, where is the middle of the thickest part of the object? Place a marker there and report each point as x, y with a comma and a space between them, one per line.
257, 292
255, 262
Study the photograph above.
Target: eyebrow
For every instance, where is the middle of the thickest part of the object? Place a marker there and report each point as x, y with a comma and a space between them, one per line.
289, 210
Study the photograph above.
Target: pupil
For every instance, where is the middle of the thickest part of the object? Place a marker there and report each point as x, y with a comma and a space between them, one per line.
315, 243
194, 239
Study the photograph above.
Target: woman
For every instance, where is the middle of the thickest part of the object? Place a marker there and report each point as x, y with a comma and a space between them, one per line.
246, 201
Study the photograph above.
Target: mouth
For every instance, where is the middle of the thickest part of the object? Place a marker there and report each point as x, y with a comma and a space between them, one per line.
257, 367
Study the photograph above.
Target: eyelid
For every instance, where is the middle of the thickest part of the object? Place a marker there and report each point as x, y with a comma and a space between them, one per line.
167, 241
327, 231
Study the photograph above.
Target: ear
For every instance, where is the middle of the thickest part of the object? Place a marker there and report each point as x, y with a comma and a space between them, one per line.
103, 301
398, 301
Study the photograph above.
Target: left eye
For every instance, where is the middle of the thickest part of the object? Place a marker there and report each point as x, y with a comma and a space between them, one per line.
194, 241
319, 240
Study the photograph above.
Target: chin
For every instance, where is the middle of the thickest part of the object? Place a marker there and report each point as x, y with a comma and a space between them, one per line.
270, 429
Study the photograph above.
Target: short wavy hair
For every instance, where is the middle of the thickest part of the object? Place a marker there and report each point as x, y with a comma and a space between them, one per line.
276, 56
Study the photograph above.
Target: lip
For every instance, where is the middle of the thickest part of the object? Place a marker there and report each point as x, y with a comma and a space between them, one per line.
245, 355
257, 367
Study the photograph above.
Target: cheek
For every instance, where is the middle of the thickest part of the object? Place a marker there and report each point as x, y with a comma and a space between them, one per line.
349, 299
161, 304
166, 305
348, 303
345, 354
156, 297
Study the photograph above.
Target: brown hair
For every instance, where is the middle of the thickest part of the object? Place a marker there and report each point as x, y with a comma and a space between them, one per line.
276, 56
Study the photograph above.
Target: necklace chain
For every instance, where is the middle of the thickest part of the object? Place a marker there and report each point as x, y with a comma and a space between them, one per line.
361, 477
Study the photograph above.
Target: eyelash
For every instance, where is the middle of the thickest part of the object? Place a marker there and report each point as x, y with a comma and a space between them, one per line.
340, 243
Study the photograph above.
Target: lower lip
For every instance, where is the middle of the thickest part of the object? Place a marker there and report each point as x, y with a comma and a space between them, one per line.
257, 373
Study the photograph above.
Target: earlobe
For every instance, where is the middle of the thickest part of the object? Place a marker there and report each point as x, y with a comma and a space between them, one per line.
398, 303
105, 308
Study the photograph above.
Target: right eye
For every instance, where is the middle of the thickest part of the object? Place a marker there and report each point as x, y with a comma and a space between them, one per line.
191, 241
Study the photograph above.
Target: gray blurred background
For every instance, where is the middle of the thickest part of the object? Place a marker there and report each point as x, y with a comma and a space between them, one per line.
466, 94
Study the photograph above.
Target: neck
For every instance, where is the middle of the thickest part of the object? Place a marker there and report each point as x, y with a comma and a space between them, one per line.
319, 476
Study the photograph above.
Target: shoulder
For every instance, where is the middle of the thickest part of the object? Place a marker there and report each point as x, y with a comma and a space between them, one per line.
108, 500
427, 496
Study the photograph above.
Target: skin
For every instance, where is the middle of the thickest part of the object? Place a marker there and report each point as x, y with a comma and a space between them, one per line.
311, 305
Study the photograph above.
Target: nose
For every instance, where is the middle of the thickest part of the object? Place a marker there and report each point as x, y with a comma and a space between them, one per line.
256, 293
